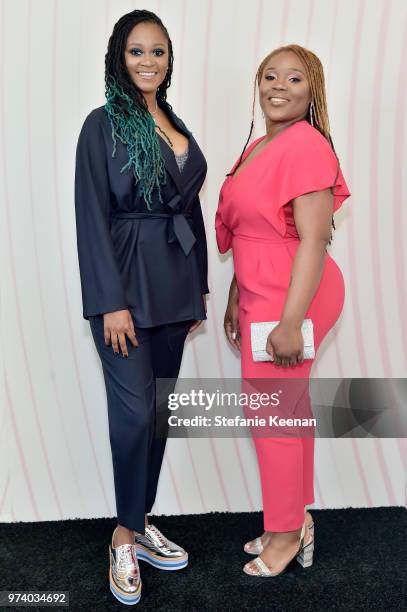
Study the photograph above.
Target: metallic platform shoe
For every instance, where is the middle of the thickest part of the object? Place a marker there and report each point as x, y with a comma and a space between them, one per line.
160, 552
304, 556
255, 547
124, 574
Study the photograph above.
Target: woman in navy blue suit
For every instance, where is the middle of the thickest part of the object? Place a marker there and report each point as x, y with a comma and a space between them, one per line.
143, 265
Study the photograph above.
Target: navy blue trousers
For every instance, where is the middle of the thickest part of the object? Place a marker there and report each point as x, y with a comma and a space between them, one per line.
130, 388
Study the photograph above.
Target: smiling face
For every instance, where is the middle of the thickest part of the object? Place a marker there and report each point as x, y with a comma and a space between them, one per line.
284, 89
146, 56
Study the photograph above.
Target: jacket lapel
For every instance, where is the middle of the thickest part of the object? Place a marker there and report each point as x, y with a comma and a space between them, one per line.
181, 181
171, 164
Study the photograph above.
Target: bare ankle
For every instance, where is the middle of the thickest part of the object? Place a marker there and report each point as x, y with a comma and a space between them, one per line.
284, 538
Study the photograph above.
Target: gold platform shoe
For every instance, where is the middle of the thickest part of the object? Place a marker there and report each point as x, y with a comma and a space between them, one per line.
159, 551
124, 573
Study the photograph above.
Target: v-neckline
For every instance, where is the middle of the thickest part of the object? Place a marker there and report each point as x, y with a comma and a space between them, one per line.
170, 148
254, 145
170, 116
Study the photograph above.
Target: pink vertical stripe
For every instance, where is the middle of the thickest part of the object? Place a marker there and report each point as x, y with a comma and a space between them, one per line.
338, 355
318, 492
180, 58
375, 251
327, 80
219, 474
375, 241
332, 452
284, 23
4, 496
257, 36
399, 201
398, 242
332, 42
351, 242
385, 473
174, 482
354, 441
21, 454
361, 471
242, 471
196, 476
337, 469
63, 267
311, 8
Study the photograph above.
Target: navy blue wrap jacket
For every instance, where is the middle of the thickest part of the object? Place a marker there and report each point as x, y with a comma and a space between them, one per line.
152, 262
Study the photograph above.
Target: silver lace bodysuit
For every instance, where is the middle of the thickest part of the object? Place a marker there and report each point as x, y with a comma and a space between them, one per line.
181, 159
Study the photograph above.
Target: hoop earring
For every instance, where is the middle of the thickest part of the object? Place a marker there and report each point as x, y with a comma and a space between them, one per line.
311, 113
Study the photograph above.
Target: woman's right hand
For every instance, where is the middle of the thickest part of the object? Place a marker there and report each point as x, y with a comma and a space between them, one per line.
231, 320
117, 325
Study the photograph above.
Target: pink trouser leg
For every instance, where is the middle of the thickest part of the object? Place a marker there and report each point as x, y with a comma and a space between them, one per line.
286, 468
308, 445
286, 464
281, 473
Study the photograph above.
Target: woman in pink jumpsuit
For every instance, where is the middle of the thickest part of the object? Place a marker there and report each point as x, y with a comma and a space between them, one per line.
275, 211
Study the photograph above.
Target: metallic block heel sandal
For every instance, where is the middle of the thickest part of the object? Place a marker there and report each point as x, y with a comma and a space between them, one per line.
124, 573
304, 556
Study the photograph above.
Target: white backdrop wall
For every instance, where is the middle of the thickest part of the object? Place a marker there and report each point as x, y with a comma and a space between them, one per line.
55, 454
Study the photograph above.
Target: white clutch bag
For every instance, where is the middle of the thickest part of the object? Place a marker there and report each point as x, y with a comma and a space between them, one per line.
260, 331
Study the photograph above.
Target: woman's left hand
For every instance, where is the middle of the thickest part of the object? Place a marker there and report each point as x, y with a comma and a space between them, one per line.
195, 325
286, 345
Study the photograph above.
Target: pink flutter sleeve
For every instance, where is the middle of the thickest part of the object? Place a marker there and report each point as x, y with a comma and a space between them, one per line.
309, 164
223, 233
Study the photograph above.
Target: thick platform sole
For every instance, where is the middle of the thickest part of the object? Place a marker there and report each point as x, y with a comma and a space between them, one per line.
129, 599
144, 554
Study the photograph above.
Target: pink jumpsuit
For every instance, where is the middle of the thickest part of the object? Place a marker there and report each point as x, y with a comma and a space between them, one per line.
255, 219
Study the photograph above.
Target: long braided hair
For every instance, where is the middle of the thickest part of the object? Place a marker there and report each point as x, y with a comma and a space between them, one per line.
127, 109
315, 76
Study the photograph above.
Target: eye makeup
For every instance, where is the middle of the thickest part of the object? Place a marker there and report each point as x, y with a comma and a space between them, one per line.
137, 52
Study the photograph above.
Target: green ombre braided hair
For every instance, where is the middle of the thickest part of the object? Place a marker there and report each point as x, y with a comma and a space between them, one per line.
127, 109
